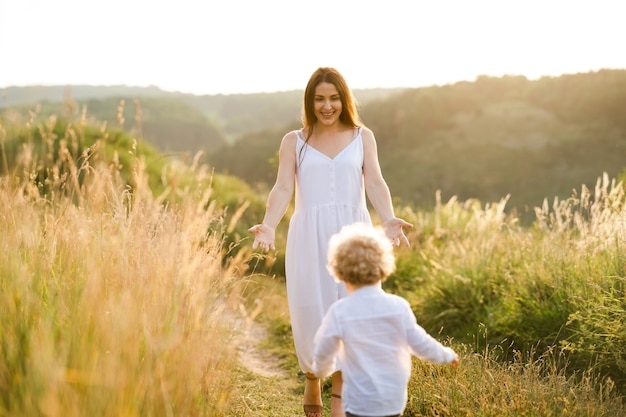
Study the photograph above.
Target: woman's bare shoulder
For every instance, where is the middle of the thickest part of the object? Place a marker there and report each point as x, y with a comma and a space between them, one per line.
366, 130
289, 140
368, 135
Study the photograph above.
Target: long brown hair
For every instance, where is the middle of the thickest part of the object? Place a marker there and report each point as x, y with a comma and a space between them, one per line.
349, 110
349, 113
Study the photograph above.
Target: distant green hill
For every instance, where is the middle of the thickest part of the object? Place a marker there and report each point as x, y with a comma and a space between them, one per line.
484, 139
166, 123
234, 115
497, 136
30, 95
532, 139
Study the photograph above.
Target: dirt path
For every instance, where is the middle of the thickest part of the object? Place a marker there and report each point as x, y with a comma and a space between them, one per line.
248, 334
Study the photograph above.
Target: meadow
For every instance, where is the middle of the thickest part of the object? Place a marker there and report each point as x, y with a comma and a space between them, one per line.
121, 272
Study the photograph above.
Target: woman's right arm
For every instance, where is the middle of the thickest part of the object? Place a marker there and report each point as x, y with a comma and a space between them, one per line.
279, 197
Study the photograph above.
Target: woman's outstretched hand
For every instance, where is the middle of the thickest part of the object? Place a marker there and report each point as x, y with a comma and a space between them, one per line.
394, 231
263, 237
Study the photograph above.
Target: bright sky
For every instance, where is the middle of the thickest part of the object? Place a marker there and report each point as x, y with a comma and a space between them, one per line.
244, 46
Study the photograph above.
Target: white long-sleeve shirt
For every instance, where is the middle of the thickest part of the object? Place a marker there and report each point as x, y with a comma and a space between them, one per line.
370, 336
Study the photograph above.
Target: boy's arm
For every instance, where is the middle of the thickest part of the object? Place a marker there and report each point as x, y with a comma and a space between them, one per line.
327, 342
426, 347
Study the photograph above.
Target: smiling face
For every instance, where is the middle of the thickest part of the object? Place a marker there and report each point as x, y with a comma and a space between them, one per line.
327, 84
327, 104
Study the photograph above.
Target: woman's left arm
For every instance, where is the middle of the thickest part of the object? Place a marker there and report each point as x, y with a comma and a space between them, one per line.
378, 191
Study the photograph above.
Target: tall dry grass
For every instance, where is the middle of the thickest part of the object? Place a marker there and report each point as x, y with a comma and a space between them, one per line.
545, 302
529, 385
111, 301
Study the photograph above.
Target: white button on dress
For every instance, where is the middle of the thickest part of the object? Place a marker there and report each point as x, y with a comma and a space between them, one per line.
329, 194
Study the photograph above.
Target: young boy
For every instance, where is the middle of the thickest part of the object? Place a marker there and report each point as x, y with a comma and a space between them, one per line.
370, 335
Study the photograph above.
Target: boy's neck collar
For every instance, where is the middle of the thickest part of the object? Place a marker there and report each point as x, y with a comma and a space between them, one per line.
353, 288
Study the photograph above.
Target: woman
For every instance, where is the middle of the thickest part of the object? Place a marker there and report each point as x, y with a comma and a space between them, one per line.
332, 163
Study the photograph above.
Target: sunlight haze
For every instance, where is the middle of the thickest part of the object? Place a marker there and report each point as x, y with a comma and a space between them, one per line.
246, 46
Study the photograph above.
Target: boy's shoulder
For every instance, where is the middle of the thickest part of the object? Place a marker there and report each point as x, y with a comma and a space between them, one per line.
392, 299
396, 299
388, 297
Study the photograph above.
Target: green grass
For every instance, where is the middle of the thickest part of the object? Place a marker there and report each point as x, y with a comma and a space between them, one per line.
537, 313
529, 384
559, 283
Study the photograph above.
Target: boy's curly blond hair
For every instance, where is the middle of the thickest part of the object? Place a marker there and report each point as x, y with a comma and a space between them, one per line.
361, 255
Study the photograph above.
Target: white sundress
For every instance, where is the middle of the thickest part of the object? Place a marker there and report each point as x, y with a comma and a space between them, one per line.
329, 194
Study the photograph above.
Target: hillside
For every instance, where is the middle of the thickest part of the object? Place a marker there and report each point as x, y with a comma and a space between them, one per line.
235, 115
167, 124
499, 136
484, 139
